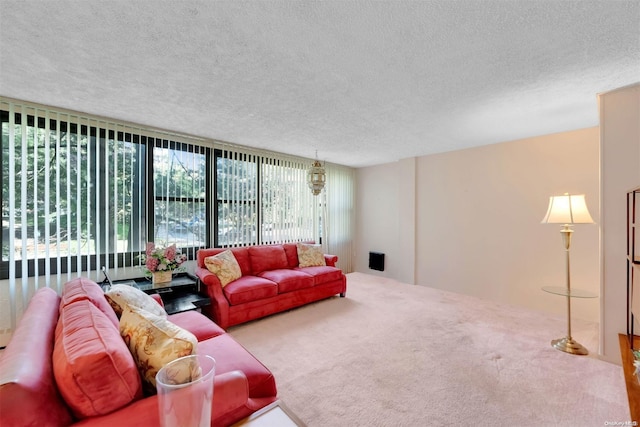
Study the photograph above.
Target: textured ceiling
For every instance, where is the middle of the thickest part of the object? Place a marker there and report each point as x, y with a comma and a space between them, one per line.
362, 82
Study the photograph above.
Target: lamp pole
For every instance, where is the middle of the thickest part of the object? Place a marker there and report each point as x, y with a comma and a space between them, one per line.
566, 239
568, 344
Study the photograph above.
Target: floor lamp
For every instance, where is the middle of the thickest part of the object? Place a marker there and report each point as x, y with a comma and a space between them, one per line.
568, 210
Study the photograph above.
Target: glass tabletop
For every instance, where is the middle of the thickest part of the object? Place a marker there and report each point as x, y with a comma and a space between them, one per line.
573, 293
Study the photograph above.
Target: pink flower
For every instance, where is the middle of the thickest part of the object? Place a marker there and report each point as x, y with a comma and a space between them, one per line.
159, 259
152, 263
170, 252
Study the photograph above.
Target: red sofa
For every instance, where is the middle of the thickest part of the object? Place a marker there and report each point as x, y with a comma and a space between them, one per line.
271, 282
32, 395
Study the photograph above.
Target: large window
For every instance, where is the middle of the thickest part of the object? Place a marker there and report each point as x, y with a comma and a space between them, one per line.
289, 210
76, 192
70, 192
79, 193
261, 199
180, 177
236, 199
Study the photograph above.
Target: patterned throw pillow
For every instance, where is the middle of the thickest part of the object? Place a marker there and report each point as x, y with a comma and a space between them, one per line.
225, 266
121, 296
310, 255
153, 341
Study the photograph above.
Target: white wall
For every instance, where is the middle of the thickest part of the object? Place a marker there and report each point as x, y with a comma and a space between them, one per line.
477, 220
385, 218
620, 171
479, 230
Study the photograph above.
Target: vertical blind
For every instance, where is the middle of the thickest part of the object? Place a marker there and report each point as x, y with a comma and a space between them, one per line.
262, 198
68, 186
80, 192
288, 209
339, 214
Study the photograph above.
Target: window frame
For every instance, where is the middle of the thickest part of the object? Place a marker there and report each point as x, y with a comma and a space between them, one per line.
152, 198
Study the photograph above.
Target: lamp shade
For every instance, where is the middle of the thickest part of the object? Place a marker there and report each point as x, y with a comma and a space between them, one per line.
567, 209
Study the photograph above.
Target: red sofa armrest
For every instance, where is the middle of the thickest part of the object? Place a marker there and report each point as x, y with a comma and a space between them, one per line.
219, 303
28, 393
330, 260
230, 392
230, 395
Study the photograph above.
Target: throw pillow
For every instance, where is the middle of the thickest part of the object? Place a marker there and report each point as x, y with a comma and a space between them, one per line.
83, 288
153, 341
121, 296
310, 255
225, 266
93, 367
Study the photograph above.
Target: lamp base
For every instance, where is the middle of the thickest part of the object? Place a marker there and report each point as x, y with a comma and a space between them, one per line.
569, 345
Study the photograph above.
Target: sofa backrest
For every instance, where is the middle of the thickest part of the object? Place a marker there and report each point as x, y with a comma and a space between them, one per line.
291, 250
267, 258
248, 256
28, 393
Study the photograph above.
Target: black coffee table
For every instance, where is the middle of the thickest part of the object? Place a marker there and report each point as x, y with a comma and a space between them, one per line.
181, 294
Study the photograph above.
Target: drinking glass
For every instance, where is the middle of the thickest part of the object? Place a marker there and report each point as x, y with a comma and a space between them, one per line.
185, 391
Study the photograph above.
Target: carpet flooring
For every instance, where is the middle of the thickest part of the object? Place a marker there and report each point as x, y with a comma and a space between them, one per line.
392, 354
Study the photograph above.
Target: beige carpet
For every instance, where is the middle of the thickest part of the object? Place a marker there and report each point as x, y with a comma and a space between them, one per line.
392, 354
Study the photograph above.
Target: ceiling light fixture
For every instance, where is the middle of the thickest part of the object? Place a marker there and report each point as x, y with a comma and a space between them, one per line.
316, 177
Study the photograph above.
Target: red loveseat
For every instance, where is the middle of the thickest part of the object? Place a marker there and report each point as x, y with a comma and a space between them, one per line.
33, 392
271, 282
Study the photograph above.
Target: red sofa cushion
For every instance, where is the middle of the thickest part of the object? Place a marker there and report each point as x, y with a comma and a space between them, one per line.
265, 258
93, 367
322, 274
249, 288
83, 288
289, 280
231, 356
291, 249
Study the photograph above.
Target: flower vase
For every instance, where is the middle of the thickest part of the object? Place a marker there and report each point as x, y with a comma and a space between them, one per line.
159, 277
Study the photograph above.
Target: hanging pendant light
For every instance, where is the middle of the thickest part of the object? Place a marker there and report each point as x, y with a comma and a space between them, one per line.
316, 177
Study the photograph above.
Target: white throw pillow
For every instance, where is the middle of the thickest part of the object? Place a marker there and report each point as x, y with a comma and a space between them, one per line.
121, 296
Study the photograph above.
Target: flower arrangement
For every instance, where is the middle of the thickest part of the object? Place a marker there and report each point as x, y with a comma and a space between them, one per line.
636, 362
162, 259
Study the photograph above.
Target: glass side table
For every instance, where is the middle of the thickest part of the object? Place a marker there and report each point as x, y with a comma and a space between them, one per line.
568, 344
